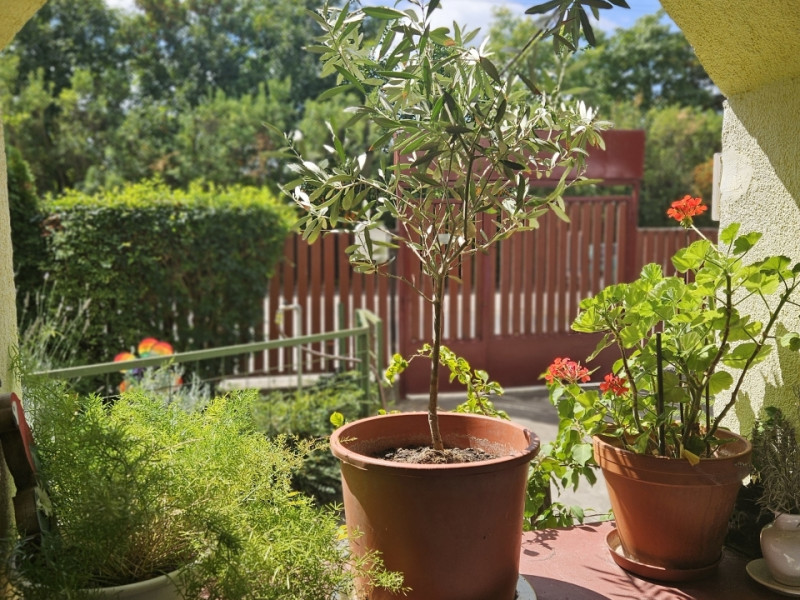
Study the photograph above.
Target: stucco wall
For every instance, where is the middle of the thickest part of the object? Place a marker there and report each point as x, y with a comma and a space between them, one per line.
760, 188
8, 337
13, 15
749, 48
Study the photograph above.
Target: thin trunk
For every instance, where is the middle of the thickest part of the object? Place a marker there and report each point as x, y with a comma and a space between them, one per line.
433, 416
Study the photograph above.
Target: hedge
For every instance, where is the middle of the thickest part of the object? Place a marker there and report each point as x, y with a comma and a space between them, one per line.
188, 267
27, 243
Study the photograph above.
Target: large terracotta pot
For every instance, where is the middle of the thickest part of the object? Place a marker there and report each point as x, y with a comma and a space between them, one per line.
671, 516
453, 530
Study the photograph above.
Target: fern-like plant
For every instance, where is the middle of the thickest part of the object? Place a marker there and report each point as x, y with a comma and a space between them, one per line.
141, 487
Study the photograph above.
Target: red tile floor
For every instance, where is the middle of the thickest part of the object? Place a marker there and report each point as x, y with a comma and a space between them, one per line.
575, 564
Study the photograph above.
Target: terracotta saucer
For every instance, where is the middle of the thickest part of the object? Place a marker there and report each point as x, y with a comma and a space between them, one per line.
757, 569
652, 571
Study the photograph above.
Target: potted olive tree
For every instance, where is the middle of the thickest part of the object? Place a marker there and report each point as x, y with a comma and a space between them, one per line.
672, 471
457, 146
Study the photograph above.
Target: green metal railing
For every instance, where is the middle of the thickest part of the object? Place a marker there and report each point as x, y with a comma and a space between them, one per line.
367, 355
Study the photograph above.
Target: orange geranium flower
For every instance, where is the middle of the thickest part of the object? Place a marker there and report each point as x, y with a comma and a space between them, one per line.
685, 209
614, 384
566, 369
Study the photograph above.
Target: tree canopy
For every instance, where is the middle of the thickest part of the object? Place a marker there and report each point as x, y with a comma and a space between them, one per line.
94, 97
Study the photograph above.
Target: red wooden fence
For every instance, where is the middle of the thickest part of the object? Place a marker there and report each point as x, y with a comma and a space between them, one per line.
539, 278
510, 310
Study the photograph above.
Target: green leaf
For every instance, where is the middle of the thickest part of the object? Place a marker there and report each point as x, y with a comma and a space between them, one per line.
728, 234
739, 356
334, 91
719, 382
490, 69
383, 13
337, 419
745, 242
587, 28
513, 165
545, 7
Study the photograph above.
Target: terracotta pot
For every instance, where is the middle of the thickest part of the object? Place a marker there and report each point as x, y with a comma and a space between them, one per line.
780, 545
453, 530
672, 517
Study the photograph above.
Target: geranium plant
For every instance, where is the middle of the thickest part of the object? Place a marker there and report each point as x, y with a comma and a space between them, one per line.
682, 340
454, 142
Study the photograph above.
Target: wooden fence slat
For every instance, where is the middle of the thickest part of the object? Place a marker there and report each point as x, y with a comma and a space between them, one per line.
544, 279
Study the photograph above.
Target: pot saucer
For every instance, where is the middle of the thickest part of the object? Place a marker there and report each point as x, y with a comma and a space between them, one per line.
524, 590
757, 569
652, 571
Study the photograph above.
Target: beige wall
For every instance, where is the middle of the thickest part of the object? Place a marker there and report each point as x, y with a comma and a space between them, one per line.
760, 188
13, 15
750, 50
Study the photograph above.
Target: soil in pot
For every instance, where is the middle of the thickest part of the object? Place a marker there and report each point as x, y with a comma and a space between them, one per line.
426, 455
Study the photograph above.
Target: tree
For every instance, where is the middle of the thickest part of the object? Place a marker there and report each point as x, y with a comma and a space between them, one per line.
650, 63
63, 88
93, 97
202, 46
678, 140
646, 77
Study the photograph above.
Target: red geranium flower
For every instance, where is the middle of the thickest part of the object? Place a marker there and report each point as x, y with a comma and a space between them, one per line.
685, 209
566, 369
614, 384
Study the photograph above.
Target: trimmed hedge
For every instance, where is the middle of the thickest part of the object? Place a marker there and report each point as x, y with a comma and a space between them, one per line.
27, 243
190, 267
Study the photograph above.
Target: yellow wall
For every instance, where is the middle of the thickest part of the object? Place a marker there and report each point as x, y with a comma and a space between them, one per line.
13, 15
750, 50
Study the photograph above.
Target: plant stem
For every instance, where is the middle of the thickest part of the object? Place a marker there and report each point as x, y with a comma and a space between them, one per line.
433, 416
662, 429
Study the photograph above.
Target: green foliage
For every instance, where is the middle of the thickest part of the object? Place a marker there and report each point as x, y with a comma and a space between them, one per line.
140, 487
678, 140
571, 21
27, 242
191, 267
645, 77
93, 97
674, 336
776, 463
479, 388
565, 462
466, 143
305, 415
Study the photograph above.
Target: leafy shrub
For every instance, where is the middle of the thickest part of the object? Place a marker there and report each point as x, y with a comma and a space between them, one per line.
190, 266
27, 242
305, 415
139, 487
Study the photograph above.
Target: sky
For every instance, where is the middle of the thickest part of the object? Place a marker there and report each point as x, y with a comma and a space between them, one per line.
478, 13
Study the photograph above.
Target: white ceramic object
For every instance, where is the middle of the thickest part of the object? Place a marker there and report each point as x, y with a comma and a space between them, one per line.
780, 546
165, 587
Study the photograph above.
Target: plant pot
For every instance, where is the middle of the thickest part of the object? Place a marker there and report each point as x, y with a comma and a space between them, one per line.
453, 530
164, 587
671, 517
780, 545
